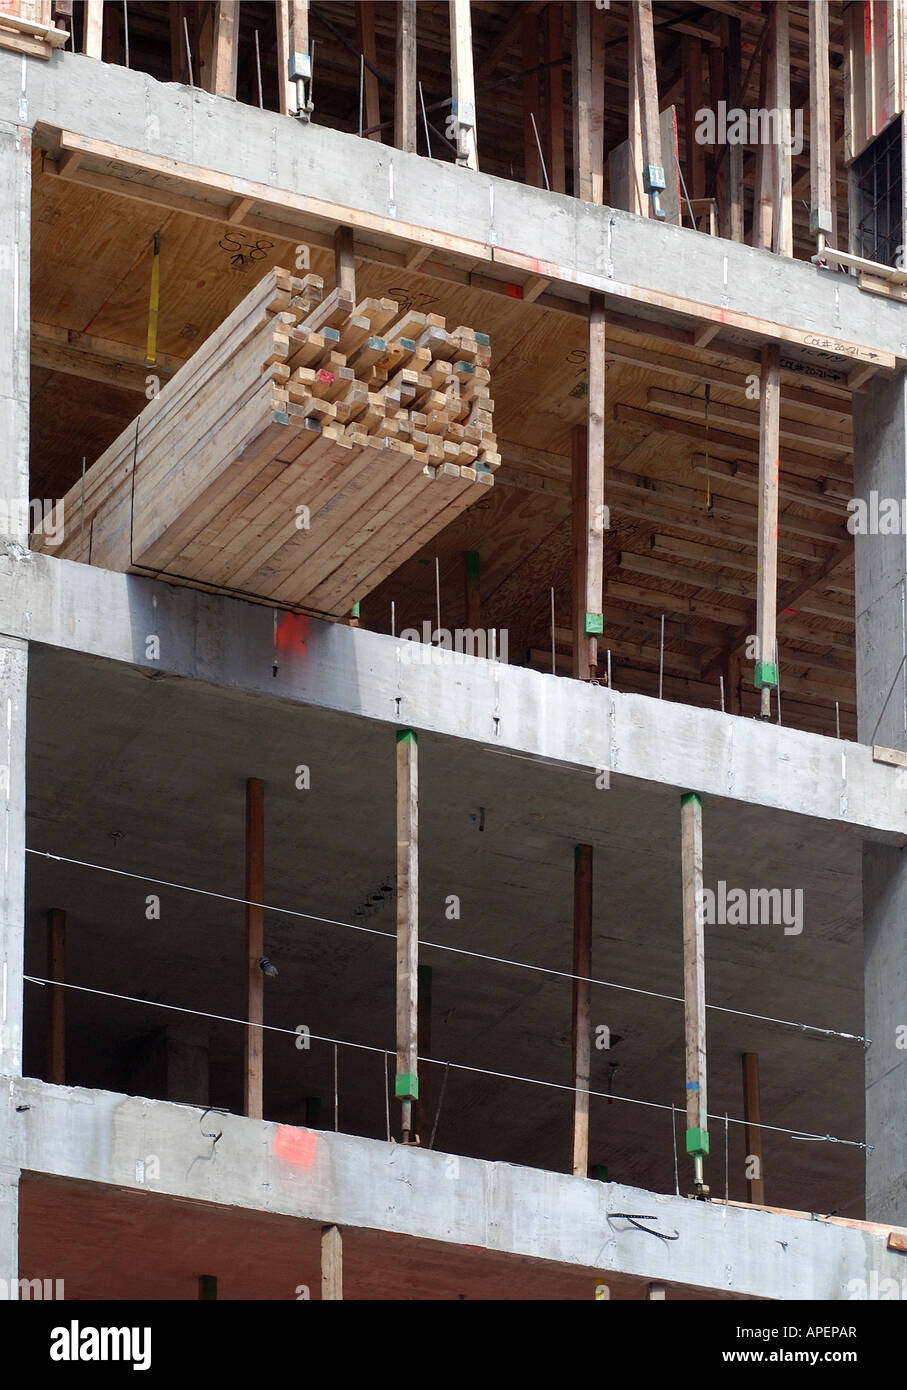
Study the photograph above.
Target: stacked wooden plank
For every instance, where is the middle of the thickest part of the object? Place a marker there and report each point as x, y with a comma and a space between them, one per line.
307, 449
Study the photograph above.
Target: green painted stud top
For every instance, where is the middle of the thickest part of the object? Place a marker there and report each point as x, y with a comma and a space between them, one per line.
406, 736
354, 611
691, 796
472, 564
595, 623
766, 673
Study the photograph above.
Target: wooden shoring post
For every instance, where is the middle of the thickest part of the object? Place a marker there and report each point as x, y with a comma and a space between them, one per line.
345, 262
821, 154
697, 1134
406, 1085
656, 1293
463, 82
554, 126
532, 164
718, 93
766, 674
179, 67
593, 603
472, 591
780, 101
56, 997
365, 30
763, 183
423, 1104
405, 77
226, 48
255, 948
588, 103
93, 30
582, 1005
331, 1263
733, 160
646, 83
294, 67
637, 202
691, 50
752, 1114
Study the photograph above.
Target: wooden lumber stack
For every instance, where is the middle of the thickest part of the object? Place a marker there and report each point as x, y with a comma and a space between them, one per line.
307, 449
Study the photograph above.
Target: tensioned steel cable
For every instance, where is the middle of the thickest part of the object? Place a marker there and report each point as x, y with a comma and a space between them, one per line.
456, 1066
440, 946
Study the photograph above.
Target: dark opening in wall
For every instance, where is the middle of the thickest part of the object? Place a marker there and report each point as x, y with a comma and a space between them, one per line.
877, 198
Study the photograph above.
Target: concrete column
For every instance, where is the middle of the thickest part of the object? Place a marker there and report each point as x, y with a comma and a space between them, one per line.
15, 204
880, 467
9, 1232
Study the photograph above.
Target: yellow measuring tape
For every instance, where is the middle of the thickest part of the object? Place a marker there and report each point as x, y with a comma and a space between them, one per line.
154, 301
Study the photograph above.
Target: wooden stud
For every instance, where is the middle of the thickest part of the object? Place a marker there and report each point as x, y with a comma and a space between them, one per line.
636, 200
752, 1114
694, 983
407, 1086
473, 592
255, 946
331, 1263
532, 165
767, 563
821, 166
93, 21
226, 48
646, 84
405, 85
656, 1293
292, 38
56, 997
582, 996
365, 29
730, 38
783, 174
423, 1116
593, 521
345, 262
463, 82
588, 103
691, 50
554, 126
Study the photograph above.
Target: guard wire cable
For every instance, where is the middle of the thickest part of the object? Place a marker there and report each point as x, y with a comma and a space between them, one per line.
439, 946
434, 1061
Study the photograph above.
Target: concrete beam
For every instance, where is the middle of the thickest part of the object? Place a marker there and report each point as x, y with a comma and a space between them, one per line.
381, 190
229, 643
98, 1136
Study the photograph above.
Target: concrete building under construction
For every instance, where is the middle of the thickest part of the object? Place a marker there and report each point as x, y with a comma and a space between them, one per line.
453, 656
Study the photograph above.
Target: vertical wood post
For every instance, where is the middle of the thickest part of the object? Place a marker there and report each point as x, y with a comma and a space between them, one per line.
752, 1113
93, 35
225, 48
783, 171
365, 30
405, 83
588, 103
532, 167
463, 82
730, 39
56, 997
582, 1019
589, 507
557, 167
406, 1086
821, 155
292, 44
580, 502
255, 946
345, 262
331, 1264
691, 50
646, 82
766, 673
423, 1104
697, 1134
